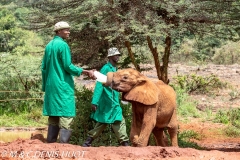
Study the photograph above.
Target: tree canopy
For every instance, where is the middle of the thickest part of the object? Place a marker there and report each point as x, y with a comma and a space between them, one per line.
160, 26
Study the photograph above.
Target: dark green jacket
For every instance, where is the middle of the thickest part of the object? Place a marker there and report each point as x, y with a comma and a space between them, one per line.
107, 100
57, 79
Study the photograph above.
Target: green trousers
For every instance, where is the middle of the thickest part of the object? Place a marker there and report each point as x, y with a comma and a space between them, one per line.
118, 127
62, 122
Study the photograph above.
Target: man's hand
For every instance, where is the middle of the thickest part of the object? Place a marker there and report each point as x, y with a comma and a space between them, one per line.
94, 107
90, 74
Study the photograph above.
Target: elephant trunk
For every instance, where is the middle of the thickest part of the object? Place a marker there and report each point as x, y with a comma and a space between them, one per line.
109, 79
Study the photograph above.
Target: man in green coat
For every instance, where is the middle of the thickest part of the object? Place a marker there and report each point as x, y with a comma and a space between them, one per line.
58, 85
106, 106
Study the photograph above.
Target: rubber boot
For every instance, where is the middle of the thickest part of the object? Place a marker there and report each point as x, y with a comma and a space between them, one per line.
64, 135
52, 133
124, 143
88, 142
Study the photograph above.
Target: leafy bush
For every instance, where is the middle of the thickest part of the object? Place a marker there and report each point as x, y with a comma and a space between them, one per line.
194, 83
227, 54
222, 117
231, 117
20, 88
185, 137
232, 131
234, 94
82, 122
197, 49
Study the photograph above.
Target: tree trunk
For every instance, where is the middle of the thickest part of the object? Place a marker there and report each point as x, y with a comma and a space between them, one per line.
165, 59
131, 55
155, 56
162, 71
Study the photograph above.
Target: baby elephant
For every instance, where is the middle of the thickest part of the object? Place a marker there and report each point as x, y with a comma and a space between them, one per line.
153, 106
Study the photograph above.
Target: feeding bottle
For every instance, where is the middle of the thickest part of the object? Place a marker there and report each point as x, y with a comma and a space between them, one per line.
100, 77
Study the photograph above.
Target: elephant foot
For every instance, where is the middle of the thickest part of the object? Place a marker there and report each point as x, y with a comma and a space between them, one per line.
134, 145
175, 144
140, 145
136, 142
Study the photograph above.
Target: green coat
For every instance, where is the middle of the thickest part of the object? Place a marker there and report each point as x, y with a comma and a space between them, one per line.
57, 79
107, 100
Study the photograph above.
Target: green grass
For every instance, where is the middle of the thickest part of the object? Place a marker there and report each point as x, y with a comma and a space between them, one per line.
186, 106
231, 131
185, 137
33, 118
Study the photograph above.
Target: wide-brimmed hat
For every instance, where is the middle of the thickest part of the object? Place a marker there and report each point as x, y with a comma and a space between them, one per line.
113, 51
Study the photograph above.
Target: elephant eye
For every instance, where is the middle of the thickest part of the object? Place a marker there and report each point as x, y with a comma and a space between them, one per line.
125, 77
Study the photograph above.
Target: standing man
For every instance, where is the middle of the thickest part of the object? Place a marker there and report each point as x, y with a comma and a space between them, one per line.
106, 106
58, 85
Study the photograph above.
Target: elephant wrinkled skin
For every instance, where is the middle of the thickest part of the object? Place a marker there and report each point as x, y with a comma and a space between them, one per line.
153, 106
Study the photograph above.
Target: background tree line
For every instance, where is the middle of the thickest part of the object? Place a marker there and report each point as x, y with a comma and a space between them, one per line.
142, 29
160, 27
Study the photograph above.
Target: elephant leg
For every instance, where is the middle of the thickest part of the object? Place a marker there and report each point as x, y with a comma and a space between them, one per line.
173, 129
159, 136
148, 123
135, 129
165, 138
173, 136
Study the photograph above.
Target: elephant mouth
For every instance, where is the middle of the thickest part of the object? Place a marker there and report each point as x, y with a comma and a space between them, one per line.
119, 88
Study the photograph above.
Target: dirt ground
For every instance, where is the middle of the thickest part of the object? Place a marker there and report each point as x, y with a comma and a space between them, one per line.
217, 146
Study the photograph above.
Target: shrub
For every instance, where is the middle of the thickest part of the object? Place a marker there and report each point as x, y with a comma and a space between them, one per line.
185, 138
232, 119
194, 83
227, 54
221, 117
20, 87
232, 131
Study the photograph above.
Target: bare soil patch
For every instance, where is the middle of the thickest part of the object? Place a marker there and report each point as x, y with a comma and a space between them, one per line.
36, 149
217, 145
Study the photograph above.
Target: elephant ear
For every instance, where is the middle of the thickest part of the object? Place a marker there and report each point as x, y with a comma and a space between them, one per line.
145, 92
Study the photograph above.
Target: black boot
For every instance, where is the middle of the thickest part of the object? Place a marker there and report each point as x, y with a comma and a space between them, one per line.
88, 142
52, 133
64, 135
124, 143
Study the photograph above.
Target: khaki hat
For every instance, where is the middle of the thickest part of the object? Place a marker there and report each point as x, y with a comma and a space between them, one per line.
113, 51
61, 25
